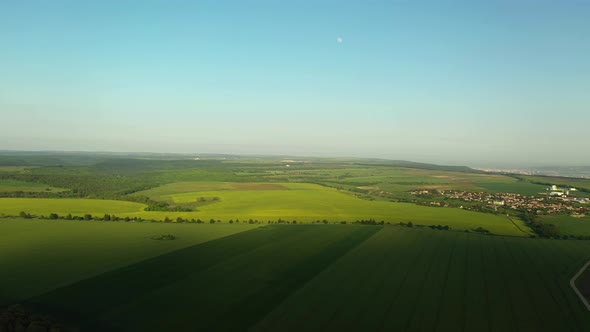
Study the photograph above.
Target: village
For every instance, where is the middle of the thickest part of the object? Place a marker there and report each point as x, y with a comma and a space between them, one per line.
555, 202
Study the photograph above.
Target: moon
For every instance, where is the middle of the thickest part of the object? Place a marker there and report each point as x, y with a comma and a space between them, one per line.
339, 40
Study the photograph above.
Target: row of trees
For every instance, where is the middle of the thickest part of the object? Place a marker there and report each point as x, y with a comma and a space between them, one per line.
87, 216
540, 228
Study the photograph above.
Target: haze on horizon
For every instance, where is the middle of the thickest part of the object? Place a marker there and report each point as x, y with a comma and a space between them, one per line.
451, 82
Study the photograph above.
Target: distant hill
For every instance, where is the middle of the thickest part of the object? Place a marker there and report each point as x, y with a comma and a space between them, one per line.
411, 164
155, 160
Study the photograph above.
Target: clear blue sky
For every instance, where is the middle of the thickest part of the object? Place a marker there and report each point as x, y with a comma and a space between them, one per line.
458, 82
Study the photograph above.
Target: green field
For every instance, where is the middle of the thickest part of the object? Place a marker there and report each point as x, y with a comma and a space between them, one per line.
561, 181
569, 225
14, 185
45, 206
260, 275
329, 278
67, 251
16, 169
271, 201
450, 282
400, 180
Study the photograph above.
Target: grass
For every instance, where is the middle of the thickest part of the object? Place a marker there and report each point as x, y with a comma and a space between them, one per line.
411, 280
399, 180
7, 185
39, 255
521, 187
569, 225
16, 169
45, 206
335, 278
309, 202
560, 181
166, 191
301, 202
242, 276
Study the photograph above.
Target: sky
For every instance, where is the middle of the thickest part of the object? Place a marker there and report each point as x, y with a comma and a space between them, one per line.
478, 83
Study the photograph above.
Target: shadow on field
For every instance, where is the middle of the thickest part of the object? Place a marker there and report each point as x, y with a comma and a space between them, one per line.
225, 284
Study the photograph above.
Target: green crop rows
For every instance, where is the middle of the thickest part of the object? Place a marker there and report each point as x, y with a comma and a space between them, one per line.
309, 278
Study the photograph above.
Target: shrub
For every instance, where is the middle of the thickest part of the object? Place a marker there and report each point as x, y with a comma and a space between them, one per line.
481, 230
164, 237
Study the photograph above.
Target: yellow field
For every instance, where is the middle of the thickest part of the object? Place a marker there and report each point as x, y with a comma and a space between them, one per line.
288, 201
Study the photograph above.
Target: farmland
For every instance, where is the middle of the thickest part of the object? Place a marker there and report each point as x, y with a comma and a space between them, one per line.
570, 225
13, 185
151, 244
270, 201
44, 206
67, 251
332, 277
452, 281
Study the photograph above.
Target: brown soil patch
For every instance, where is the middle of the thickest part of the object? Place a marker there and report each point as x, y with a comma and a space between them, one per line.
258, 186
368, 188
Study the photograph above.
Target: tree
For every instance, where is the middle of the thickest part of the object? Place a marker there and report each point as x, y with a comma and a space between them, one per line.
107, 217
25, 215
410, 224
53, 216
212, 221
87, 217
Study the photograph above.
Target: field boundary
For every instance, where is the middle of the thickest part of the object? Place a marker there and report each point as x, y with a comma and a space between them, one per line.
520, 229
576, 290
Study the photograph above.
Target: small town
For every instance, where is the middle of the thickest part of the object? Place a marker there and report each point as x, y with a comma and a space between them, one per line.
555, 202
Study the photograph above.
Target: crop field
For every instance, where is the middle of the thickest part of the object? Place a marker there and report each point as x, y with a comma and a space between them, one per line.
167, 192
67, 251
16, 169
333, 278
400, 180
561, 181
14, 185
271, 201
569, 225
45, 206
449, 282
583, 284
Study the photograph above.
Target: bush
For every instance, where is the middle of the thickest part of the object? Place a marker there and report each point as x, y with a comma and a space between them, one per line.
481, 230
25, 215
164, 237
